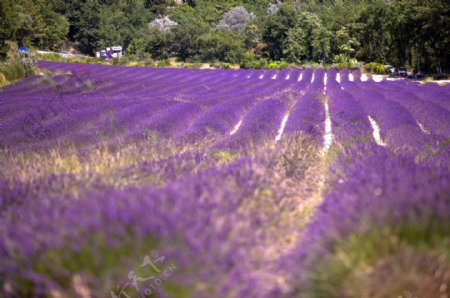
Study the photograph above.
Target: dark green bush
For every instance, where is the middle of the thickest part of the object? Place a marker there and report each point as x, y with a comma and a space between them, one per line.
440, 76
4, 48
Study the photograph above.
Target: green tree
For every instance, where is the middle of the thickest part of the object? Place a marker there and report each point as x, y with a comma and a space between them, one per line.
54, 29
157, 44
87, 22
373, 32
185, 38
7, 27
252, 34
296, 47
276, 30
346, 44
429, 34
308, 40
32, 23
159, 7
3, 47
224, 46
29, 22
8, 20
136, 46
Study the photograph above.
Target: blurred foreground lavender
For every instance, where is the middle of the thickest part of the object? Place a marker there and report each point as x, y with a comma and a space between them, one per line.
120, 182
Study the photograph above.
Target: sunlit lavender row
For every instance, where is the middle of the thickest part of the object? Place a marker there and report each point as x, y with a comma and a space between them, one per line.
143, 182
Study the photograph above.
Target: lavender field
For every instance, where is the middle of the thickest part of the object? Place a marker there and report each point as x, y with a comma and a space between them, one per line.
145, 182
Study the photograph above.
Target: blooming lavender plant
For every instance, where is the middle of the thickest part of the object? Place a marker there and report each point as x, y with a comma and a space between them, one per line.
382, 206
307, 116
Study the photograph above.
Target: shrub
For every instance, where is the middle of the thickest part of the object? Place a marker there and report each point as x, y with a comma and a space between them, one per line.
374, 67
194, 64
149, 62
355, 64
440, 76
278, 64
164, 63
17, 68
13, 70
124, 61
51, 57
90, 60
226, 65
2, 79
101, 61
216, 64
121, 61
249, 61
4, 48
272, 65
380, 69
282, 64
428, 79
311, 64
341, 61
77, 60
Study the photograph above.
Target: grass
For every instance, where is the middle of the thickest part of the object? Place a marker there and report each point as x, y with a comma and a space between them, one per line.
224, 156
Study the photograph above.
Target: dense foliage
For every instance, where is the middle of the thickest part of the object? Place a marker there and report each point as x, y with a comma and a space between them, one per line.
398, 32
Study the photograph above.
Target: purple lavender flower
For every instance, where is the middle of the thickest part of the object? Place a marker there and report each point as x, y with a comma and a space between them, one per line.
308, 117
102, 167
375, 193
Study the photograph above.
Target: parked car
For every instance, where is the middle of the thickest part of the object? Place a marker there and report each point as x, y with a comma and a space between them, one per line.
416, 76
389, 68
401, 71
104, 55
23, 50
65, 54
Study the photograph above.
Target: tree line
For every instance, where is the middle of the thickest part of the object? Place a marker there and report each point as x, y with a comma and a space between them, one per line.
412, 33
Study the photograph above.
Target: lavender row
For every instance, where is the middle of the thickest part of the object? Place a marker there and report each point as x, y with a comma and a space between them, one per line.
348, 118
259, 125
377, 196
181, 221
397, 126
433, 117
308, 117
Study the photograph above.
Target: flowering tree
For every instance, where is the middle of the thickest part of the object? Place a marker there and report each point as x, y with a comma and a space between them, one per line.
235, 20
164, 24
273, 8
